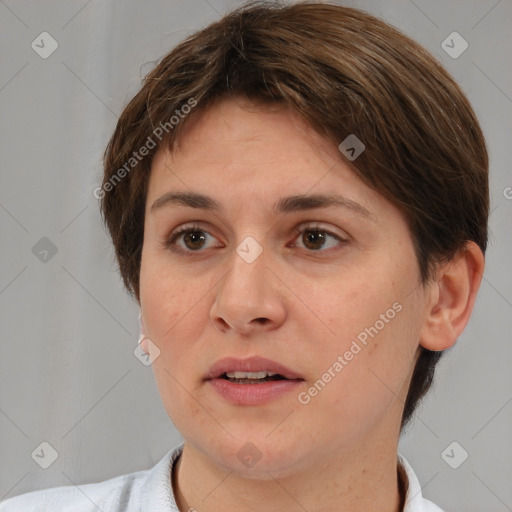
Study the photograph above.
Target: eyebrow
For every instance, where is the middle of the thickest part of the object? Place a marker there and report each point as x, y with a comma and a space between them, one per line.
286, 204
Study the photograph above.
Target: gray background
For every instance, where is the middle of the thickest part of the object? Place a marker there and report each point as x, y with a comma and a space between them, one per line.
68, 375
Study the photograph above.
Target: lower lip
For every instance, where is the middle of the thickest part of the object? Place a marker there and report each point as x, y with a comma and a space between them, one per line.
253, 394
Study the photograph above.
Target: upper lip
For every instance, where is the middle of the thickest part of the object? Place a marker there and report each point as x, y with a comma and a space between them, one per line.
251, 364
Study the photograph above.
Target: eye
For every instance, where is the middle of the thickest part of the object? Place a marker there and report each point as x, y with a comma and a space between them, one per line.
193, 239
315, 237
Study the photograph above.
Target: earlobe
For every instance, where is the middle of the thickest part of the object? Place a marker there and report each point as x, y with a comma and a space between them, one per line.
453, 295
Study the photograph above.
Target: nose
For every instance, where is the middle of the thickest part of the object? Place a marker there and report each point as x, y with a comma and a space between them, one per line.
249, 298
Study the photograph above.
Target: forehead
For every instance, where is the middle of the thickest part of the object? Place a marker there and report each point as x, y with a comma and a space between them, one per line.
236, 150
245, 131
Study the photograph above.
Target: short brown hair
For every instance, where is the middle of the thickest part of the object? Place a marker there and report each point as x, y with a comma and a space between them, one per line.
345, 72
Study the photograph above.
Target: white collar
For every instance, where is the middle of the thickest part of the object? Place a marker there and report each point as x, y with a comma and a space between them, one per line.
157, 494
414, 500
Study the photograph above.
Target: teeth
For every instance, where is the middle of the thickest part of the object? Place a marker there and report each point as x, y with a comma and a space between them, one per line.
249, 375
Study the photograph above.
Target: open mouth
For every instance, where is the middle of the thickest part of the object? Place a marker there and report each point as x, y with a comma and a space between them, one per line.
252, 370
253, 381
251, 377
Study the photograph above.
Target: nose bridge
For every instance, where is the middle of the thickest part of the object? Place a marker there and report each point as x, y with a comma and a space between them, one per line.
247, 292
248, 268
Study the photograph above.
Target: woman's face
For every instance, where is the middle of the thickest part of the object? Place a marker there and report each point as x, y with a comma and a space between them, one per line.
330, 292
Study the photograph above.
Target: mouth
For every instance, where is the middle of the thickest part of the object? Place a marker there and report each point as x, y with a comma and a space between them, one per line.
252, 382
252, 370
251, 377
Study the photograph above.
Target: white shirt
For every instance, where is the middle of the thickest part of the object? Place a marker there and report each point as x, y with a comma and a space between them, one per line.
148, 491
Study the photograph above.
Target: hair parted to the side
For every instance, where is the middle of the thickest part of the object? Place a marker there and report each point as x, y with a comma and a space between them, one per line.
345, 72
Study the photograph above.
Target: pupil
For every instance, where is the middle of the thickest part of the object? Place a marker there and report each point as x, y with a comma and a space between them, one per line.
194, 237
316, 237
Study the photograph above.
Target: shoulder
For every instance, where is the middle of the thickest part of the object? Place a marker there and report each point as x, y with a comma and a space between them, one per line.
119, 493
414, 500
428, 506
149, 489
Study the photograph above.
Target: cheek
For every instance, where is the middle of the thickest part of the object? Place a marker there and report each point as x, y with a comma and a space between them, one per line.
169, 303
362, 374
347, 306
370, 319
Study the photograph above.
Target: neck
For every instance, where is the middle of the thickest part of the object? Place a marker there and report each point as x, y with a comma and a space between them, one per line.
356, 482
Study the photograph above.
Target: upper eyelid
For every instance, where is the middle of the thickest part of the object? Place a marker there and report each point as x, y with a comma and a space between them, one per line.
304, 226
171, 242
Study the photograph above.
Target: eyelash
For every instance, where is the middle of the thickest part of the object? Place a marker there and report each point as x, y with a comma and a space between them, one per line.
170, 242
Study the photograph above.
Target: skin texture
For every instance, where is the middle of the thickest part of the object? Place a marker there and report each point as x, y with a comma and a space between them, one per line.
337, 452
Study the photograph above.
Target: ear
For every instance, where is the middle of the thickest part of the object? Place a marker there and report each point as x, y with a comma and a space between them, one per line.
143, 341
452, 296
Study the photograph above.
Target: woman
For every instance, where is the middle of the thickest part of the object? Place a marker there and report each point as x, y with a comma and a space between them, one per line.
298, 200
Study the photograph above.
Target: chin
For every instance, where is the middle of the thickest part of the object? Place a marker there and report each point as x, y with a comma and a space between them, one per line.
261, 459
